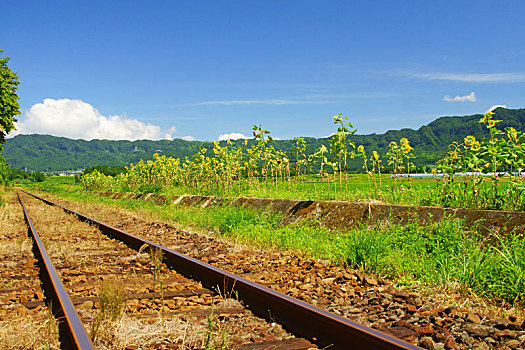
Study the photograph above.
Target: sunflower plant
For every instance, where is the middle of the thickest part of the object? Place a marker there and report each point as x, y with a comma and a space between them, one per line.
341, 147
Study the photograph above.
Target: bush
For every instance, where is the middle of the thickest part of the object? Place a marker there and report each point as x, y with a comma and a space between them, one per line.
4, 171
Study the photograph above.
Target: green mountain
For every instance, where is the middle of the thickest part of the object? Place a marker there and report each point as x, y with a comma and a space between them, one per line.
50, 153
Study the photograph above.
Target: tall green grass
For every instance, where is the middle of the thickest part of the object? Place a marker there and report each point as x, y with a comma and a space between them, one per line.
440, 254
419, 191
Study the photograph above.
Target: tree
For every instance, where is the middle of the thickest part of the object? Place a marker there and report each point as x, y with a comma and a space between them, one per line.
9, 106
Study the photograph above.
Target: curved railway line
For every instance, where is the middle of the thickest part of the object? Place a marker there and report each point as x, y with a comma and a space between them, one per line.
87, 260
172, 300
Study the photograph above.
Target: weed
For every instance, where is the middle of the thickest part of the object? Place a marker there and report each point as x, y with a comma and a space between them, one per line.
6, 214
156, 256
228, 292
20, 243
111, 301
210, 341
364, 248
51, 323
510, 272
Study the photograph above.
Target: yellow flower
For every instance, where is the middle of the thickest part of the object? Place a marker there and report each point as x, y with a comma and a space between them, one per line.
486, 117
469, 141
245, 142
361, 149
403, 142
376, 156
476, 146
433, 171
408, 148
512, 134
492, 123
392, 144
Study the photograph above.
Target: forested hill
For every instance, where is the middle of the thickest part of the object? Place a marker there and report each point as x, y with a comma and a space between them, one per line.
49, 153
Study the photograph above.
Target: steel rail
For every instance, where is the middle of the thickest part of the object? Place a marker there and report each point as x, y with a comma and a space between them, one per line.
317, 325
72, 334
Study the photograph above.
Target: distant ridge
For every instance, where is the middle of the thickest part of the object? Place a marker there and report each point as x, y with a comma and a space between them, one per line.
50, 153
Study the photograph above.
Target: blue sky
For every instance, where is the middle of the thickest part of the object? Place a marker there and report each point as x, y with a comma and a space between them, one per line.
201, 69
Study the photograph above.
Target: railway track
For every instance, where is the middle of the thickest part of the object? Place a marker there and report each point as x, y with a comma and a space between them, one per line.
99, 264
21, 327
71, 331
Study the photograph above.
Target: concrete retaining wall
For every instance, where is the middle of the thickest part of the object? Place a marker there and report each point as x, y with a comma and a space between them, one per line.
340, 214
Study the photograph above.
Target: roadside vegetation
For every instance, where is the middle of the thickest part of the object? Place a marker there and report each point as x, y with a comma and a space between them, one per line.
446, 255
19, 176
491, 171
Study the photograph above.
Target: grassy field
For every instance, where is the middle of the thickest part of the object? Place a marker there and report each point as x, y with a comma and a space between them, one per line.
308, 188
457, 191
446, 255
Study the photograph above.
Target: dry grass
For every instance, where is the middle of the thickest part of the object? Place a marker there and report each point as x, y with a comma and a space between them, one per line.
32, 330
109, 327
54, 226
126, 331
13, 236
453, 294
18, 246
23, 329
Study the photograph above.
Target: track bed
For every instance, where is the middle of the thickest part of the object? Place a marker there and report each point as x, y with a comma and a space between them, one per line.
130, 299
371, 301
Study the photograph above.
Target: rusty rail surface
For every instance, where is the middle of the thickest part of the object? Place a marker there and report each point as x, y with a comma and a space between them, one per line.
72, 334
317, 325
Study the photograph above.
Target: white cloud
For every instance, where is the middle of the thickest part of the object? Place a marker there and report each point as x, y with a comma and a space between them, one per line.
79, 120
496, 106
189, 138
472, 78
232, 136
470, 98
